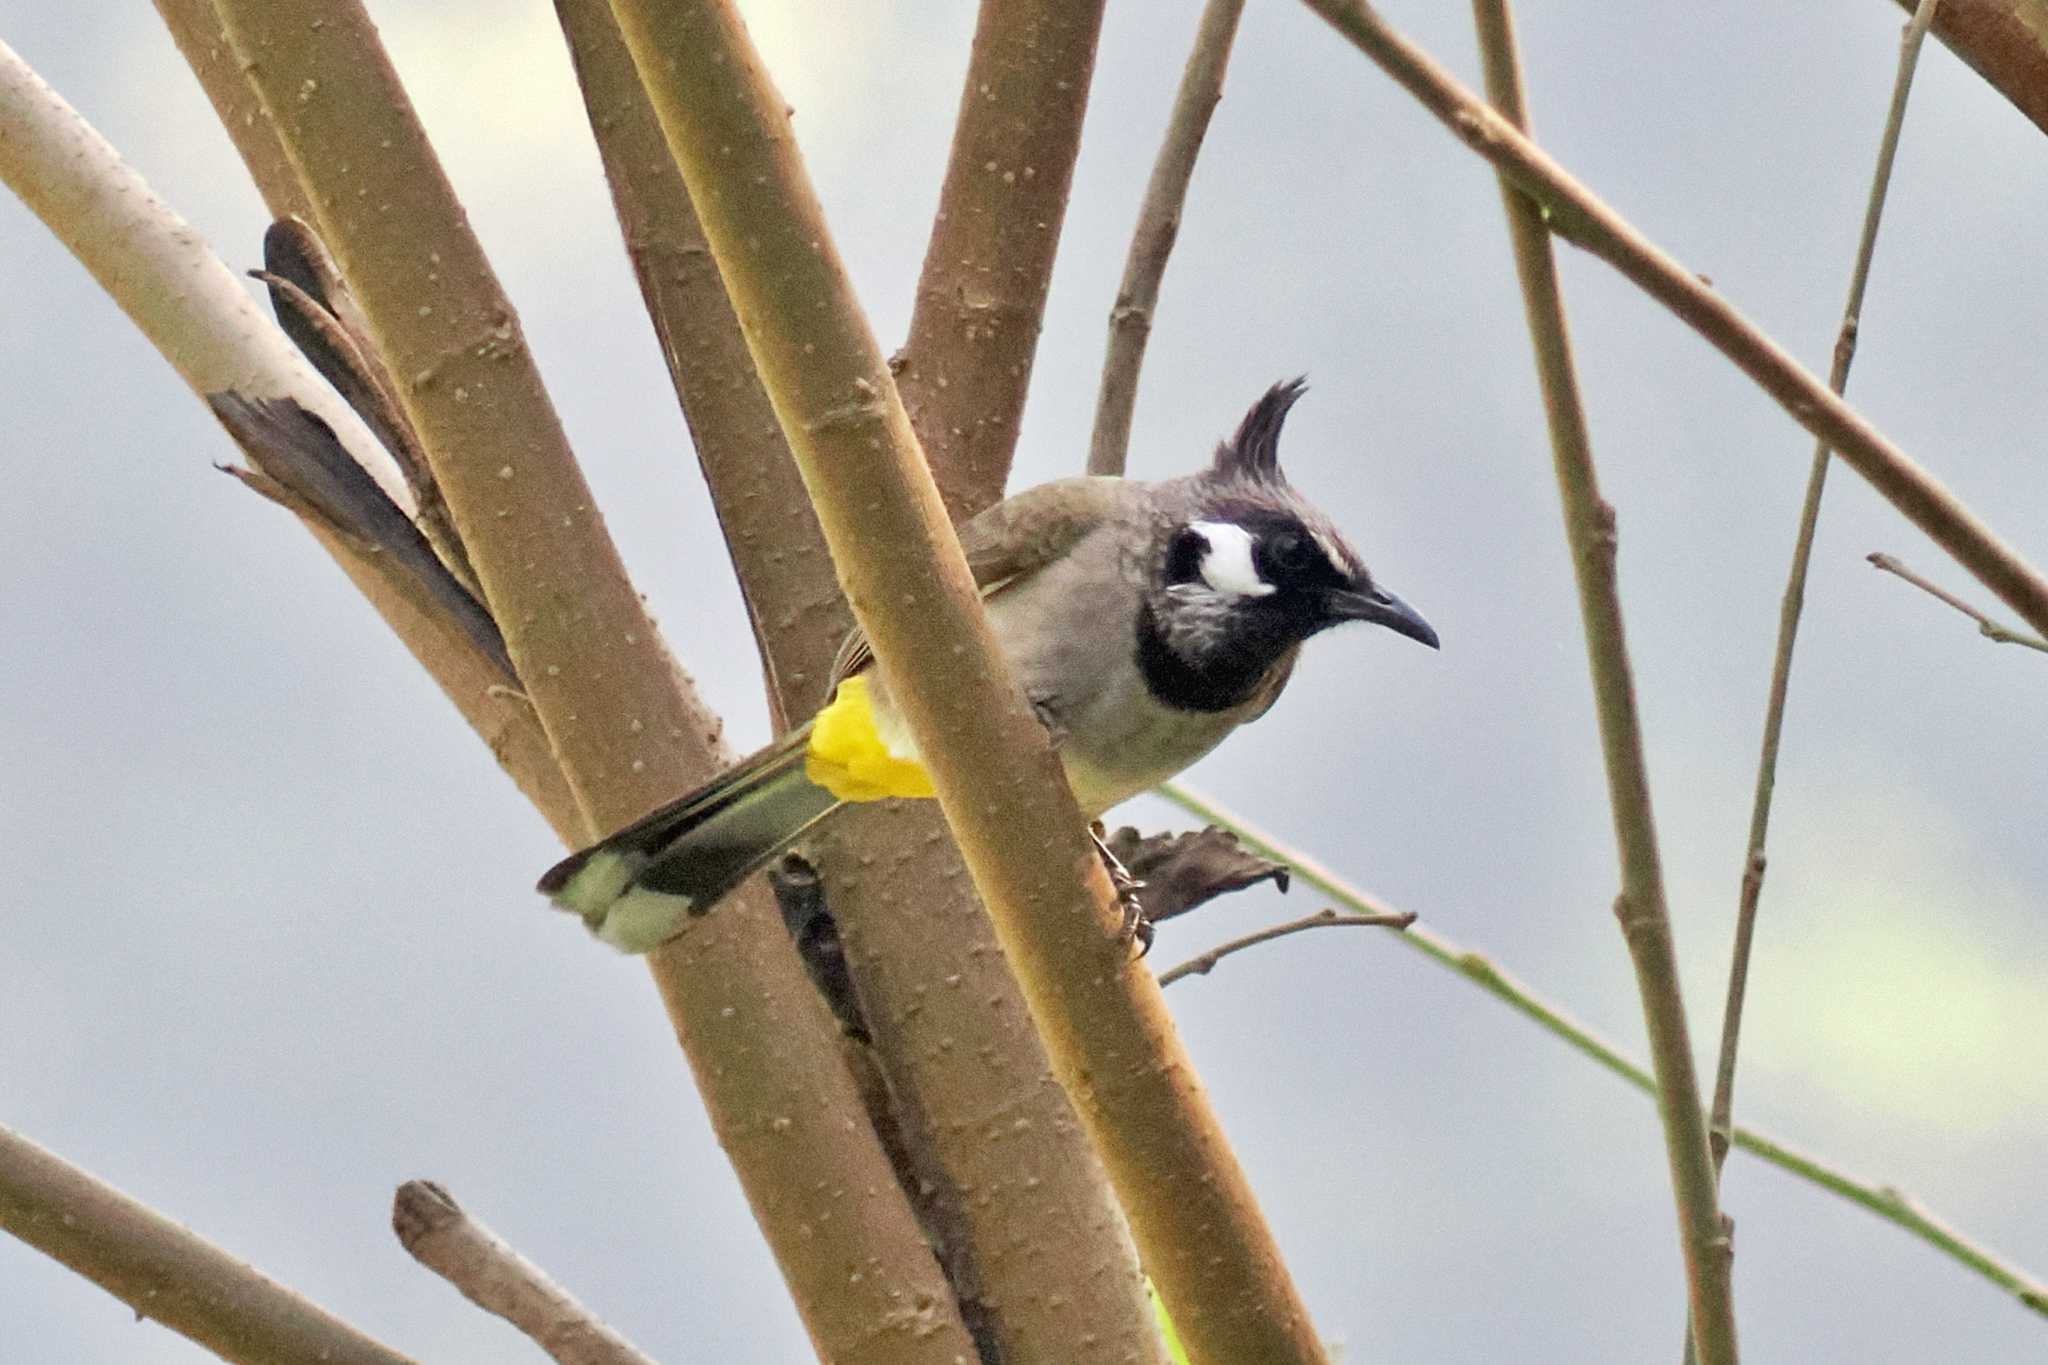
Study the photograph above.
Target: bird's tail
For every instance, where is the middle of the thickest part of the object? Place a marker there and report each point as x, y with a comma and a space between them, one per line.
636, 888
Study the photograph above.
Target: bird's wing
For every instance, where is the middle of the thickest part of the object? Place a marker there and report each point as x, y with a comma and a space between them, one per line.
1012, 540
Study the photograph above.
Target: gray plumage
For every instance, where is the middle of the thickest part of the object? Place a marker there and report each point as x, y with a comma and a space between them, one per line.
1145, 621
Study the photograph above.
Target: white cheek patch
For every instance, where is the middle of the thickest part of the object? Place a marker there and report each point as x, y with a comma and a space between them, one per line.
1228, 567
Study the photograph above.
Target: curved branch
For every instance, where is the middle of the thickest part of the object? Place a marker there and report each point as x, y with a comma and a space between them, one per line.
1204, 963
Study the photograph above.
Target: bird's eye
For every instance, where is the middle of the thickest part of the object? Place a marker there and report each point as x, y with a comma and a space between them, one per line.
1291, 551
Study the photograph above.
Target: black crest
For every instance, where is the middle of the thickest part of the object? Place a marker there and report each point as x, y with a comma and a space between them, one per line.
1254, 452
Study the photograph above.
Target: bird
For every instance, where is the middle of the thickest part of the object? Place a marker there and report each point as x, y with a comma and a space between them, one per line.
1145, 621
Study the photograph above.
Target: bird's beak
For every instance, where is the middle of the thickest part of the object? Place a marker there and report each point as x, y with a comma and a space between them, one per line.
1381, 608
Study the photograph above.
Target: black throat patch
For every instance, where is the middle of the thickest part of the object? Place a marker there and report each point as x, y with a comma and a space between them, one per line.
1228, 679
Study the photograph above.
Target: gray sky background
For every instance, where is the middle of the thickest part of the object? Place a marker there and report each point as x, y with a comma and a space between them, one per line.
271, 945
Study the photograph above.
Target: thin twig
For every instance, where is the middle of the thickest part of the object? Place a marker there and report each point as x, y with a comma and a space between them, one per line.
1205, 963
443, 1237
1754, 863
1574, 212
1882, 1200
163, 1270
1988, 628
1645, 921
1130, 319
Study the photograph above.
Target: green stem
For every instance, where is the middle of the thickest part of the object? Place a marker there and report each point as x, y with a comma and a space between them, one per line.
1882, 1200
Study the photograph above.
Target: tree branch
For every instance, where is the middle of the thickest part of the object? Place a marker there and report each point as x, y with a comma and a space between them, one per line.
1517, 995
1576, 214
439, 1234
1988, 628
945, 1021
195, 27
1130, 318
1645, 921
2005, 42
1204, 963
964, 371
164, 1271
626, 726
1107, 1033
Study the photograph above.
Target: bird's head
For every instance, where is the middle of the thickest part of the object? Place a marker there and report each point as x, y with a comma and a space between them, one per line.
1252, 568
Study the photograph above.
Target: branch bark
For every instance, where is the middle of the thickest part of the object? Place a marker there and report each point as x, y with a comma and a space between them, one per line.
2005, 42
1575, 213
442, 1236
778, 553
964, 371
196, 28
164, 1271
1107, 1033
625, 725
1130, 318
1645, 920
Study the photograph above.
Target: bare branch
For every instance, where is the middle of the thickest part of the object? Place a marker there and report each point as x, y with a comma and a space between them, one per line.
1754, 863
964, 371
1204, 963
444, 1238
196, 28
1575, 213
1645, 921
1553, 1019
164, 1271
1130, 319
1988, 628
1107, 1033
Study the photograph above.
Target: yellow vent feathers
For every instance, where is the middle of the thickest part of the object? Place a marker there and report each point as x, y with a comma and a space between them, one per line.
848, 757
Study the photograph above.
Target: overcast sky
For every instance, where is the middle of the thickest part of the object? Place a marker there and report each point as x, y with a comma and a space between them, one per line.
271, 945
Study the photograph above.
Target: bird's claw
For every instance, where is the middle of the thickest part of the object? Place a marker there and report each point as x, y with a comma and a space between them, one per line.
1135, 927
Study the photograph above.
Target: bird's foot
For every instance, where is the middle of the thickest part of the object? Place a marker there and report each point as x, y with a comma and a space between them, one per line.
1136, 927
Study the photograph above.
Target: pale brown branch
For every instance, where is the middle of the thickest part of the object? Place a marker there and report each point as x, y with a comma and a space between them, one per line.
1575, 213
2005, 42
944, 1019
1130, 318
1645, 920
1204, 963
1109, 1037
778, 553
196, 28
1986, 626
165, 1271
442, 1236
965, 369
626, 727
